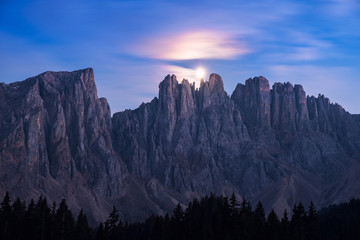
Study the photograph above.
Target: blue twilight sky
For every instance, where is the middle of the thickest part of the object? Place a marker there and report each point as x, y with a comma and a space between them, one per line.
133, 45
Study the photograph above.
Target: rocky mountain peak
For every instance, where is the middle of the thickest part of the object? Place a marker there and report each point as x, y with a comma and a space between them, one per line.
254, 100
168, 91
63, 131
216, 83
62, 79
275, 145
212, 92
169, 83
260, 83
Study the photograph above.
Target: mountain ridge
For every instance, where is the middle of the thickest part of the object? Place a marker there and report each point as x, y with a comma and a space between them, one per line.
276, 145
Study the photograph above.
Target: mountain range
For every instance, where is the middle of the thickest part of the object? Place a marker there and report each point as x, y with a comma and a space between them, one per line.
276, 145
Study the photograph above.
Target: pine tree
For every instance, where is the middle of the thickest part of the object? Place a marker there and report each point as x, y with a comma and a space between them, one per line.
259, 215
178, 214
273, 224
285, 226
312, 213
246, 225
52, 228
259, 221
111, 224
224, 210
120, 231
100, 233
82, 229
42, 219
234, 218
64, 222
297, 221
311, 223
18, 218
166, 226
285, 218
177, 221
5, 213
29, 224
234, 203
157, 228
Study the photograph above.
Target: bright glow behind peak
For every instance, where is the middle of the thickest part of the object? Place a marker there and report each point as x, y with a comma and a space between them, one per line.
200, 73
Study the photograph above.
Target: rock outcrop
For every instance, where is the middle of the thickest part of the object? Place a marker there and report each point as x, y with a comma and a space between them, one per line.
270, 144
56, 140
357, 118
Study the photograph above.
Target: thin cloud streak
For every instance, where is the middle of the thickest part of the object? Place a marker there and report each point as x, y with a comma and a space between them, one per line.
192, 45
341, 8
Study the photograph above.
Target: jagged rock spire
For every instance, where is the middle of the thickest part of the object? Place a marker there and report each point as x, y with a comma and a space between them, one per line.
275, 145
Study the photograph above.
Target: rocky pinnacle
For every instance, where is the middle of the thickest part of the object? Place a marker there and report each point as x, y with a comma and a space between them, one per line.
273, 144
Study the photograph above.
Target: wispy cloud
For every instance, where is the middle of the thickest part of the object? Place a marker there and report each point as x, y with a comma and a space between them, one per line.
298, 46
305, 54
342, 8
192, 45
295, 54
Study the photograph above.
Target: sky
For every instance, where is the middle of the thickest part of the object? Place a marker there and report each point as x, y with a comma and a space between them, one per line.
133, 45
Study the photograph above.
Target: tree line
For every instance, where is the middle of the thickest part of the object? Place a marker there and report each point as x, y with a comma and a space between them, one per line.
211, 217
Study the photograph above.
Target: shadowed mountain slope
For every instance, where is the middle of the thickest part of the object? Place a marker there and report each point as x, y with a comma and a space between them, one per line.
276, 145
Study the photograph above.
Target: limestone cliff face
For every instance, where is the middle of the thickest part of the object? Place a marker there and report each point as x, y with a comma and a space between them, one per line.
271, 144
275, 145
356, 118
56, 139
173, 138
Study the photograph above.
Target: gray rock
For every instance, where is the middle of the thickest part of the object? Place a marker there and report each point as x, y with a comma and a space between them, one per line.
57, 139
356, 118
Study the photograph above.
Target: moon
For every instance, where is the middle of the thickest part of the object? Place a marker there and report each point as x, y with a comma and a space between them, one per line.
200, 73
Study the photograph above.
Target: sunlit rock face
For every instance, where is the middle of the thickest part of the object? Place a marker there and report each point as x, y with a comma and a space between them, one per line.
270, 144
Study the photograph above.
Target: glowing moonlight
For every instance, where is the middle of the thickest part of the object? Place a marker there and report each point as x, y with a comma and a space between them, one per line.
200, 73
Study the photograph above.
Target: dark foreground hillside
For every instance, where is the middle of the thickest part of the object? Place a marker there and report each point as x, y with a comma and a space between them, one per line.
211, 217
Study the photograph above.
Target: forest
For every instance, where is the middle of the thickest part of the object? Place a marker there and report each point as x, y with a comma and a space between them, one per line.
211, 217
